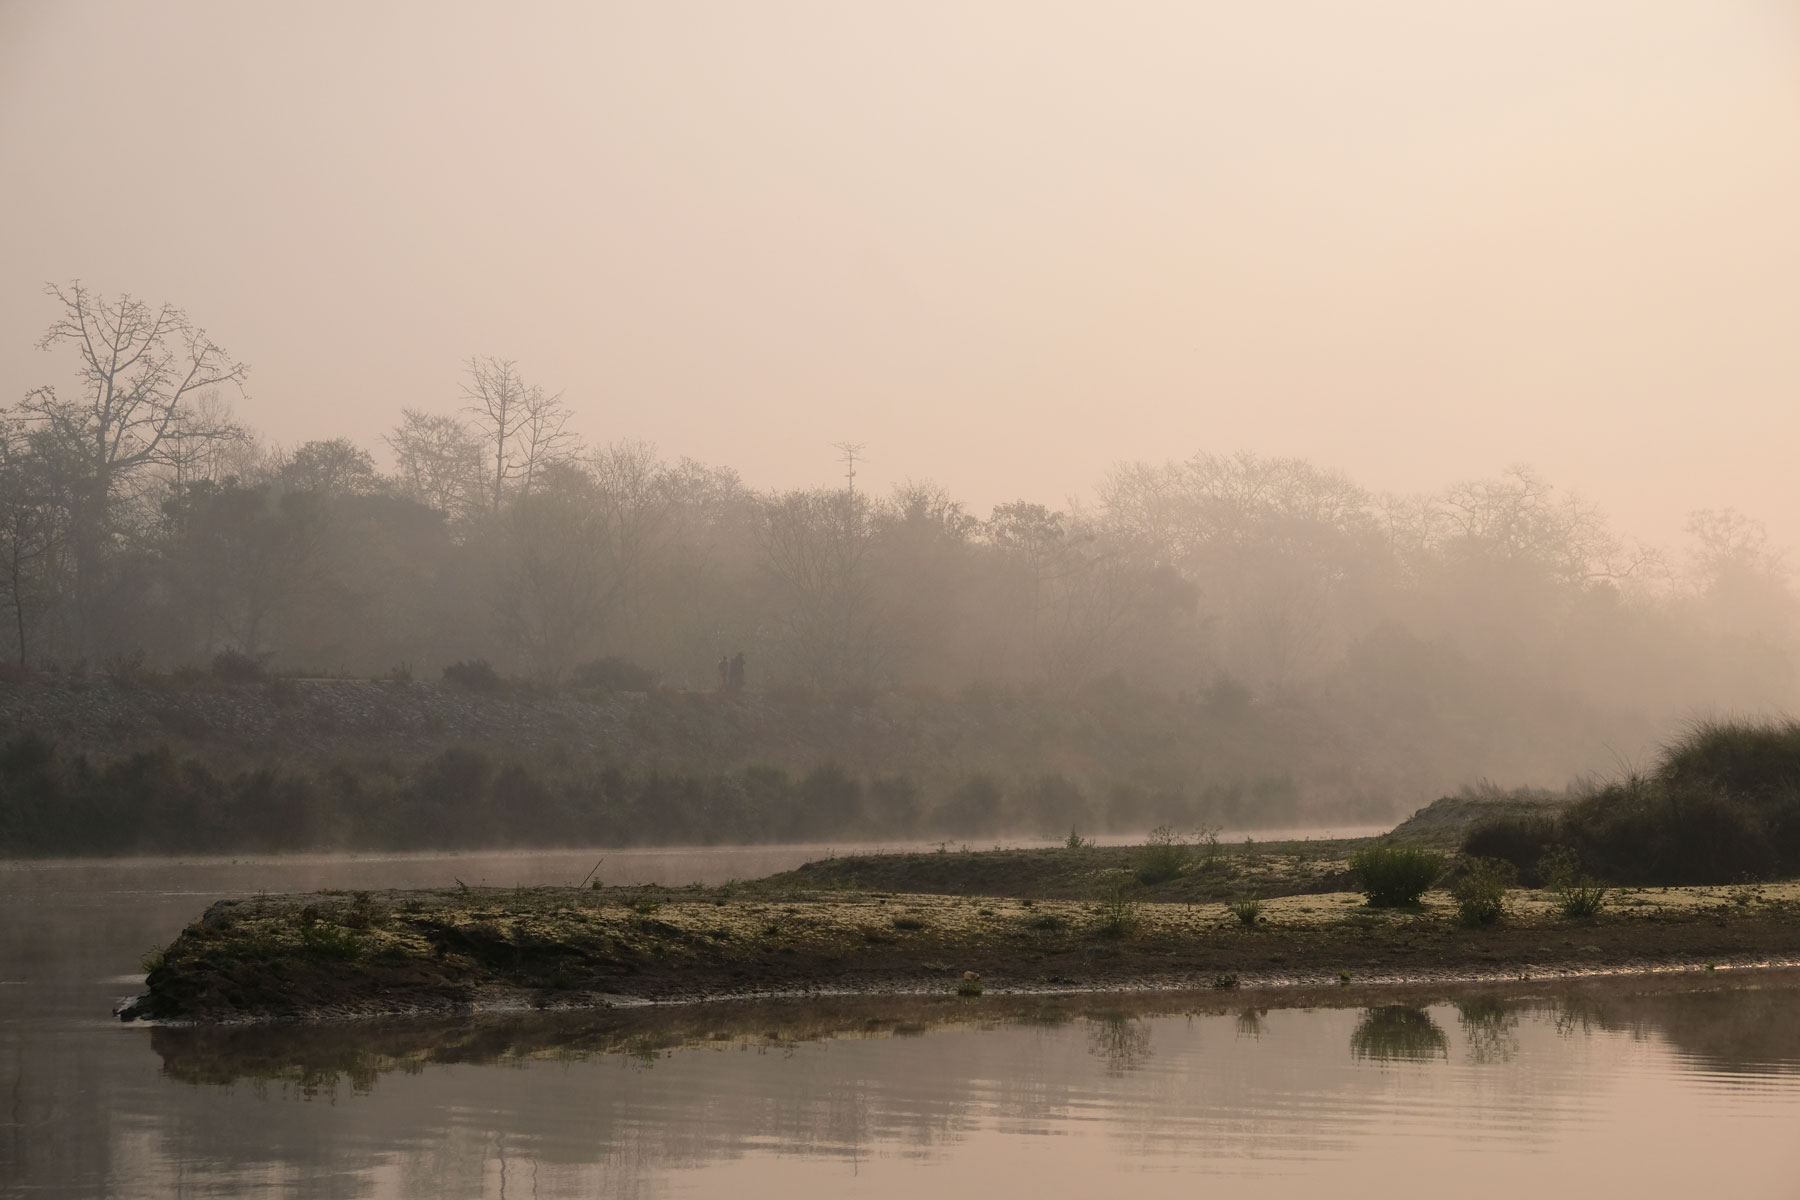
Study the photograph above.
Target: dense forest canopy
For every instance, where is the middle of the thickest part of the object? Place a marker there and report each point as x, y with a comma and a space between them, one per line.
141, 520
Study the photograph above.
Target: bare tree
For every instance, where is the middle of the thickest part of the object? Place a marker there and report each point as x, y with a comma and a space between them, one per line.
437, 460
523, 427
141, 369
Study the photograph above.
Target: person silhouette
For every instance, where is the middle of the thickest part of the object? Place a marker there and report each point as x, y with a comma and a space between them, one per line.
737, 671
724, 672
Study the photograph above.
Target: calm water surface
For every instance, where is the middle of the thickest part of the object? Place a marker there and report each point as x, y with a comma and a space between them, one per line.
1674, 1087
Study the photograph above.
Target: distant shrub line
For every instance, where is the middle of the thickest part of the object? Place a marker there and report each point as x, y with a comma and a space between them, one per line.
159, 802
1721, 806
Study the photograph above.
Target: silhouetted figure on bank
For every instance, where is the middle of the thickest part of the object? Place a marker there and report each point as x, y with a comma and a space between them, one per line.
737, 671
724, 673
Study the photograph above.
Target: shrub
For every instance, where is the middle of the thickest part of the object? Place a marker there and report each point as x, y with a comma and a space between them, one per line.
1394, 876
1578, 896
1075, 841
968, 987
234, 666
1480, 892
613, 674
1520, 841
1248, 911
478, 675
1581, 901
1117, 915
1752, 759
1163, 858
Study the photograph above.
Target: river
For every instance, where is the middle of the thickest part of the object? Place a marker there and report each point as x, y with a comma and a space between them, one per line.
1671, 1087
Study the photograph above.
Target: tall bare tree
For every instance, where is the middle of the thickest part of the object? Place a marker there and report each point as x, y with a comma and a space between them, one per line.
141, 369
523, 427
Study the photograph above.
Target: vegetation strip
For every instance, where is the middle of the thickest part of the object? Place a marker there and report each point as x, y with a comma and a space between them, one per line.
336, 956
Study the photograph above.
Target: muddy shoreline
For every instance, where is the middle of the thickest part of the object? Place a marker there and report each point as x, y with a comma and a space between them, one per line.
332, 957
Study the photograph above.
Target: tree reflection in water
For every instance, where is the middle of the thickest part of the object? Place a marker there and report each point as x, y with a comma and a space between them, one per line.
1490, 1026
1120, 1039
1398, 1033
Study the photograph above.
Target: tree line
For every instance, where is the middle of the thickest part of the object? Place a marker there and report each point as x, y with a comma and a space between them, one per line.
141, 520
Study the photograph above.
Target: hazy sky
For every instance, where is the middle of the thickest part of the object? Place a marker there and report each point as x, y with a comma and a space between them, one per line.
1005, 244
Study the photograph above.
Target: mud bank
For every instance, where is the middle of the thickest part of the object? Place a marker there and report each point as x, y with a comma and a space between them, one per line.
335, 956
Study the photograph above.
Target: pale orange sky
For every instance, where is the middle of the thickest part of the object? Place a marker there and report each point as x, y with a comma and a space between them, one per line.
1004, 244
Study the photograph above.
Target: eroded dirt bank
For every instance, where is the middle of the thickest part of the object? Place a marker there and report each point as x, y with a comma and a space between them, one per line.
336, 956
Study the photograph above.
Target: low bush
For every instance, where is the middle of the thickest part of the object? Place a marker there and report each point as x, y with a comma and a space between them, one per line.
1578, 896
1118, 914
1163, 857
234, 666
478, 675
1395, 876
1519, 841
613, 674
1247, 911
1480, 890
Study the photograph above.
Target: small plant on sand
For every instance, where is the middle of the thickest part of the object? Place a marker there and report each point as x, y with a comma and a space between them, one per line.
1163, 857
1076, 842
1248, 911
1117, 915
1578, 896
331, 941
1225, 982
1396, 876
1208, 837
969, 984
1480, 893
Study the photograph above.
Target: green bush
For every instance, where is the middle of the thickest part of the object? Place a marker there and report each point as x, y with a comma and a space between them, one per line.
1578, 896
1248, 911
1394, 876
1480, 892
1118, 915
1520, 841
1163, 857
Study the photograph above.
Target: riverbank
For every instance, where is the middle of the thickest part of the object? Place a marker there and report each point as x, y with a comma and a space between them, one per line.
336, 956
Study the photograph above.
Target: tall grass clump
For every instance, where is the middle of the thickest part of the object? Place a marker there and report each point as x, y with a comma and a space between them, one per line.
1248, 911
1480, 892
1396, 876
1578, 896
1163, 857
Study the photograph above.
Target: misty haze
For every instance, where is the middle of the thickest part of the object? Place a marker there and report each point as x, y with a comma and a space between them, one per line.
1212, 582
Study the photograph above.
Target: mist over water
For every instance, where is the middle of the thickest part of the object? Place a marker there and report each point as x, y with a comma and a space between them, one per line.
438, 436
1332, 411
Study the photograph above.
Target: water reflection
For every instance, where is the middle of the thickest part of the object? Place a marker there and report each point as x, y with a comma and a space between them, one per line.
1605, 1085
1717, 1026
1490, 1027
1120, 1040
1398, 1033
